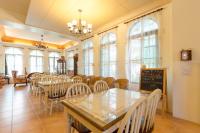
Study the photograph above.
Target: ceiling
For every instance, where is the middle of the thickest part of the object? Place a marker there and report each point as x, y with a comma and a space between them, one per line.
22, 31
53, 15
16, 6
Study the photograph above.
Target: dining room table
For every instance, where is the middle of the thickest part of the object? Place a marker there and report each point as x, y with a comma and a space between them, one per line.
100, 112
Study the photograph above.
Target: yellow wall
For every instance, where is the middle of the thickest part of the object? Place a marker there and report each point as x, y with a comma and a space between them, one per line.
186, 77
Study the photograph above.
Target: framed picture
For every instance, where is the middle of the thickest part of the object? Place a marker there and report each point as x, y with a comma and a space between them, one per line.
186, 55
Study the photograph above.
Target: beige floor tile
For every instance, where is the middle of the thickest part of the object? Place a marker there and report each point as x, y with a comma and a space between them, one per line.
24, 111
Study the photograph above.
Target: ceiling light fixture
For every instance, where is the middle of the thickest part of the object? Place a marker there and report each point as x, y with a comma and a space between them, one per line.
79, 26
41, 44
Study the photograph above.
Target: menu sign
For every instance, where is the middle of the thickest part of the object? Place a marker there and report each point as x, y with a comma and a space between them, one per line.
153, 78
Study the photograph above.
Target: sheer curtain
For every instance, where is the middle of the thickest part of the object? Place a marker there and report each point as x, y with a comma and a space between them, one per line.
14, 60
88, 57
143, 45
53, 57
36, 61
70, 60
108, 57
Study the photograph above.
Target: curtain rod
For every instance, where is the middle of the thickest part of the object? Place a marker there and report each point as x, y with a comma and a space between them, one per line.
128, 21
107, 30
87, 38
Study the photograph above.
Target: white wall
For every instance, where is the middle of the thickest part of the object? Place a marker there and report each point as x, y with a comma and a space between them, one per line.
186, 77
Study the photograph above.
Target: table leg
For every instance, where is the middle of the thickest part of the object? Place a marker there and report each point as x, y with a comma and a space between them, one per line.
68, 124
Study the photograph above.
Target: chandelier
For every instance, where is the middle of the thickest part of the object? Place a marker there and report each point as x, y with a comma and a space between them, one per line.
41, 44
79, 26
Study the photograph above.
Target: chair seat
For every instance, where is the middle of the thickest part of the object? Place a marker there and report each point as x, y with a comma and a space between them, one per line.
57, 96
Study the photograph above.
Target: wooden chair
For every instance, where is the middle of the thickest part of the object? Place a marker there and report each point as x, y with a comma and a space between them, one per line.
21, 79
77, 79
56, 92
110, 81
122, 83
150, 111
132, 120
34, 85
73, 91
78, 89
100, 86
2, 81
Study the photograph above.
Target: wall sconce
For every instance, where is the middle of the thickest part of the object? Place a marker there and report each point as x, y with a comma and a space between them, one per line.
186, 55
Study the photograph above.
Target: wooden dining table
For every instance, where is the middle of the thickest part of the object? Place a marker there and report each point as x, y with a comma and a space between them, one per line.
101, 112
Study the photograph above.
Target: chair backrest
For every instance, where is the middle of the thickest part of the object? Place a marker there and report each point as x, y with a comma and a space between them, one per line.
110, 81
100, 86
122, 83
150, 111
76, 79
63, 77
78, 89
14, 74
57, 89
132, 120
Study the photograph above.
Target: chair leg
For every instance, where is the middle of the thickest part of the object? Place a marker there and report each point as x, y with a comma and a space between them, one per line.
15, 85
51, 108
72, 130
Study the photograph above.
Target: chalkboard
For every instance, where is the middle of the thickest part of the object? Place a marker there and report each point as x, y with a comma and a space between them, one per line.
153, 78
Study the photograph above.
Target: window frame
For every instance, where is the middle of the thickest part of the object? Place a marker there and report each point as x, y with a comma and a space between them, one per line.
141, 35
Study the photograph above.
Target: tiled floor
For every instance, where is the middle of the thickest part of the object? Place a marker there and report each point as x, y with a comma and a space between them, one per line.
20, 112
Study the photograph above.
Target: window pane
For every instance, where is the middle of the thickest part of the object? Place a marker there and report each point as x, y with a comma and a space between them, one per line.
149, 25
136, 29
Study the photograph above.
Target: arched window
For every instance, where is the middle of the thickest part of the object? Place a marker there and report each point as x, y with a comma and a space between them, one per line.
53, 57
108, 56
14, 60
36, 61
88, 57
142, 47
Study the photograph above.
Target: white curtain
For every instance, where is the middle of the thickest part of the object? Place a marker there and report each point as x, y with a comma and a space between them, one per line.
36, 61
108, 53
14, 60
70, 60
88, 57
53, 57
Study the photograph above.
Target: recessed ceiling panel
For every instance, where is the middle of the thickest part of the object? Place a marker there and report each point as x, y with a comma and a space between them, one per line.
54, 14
